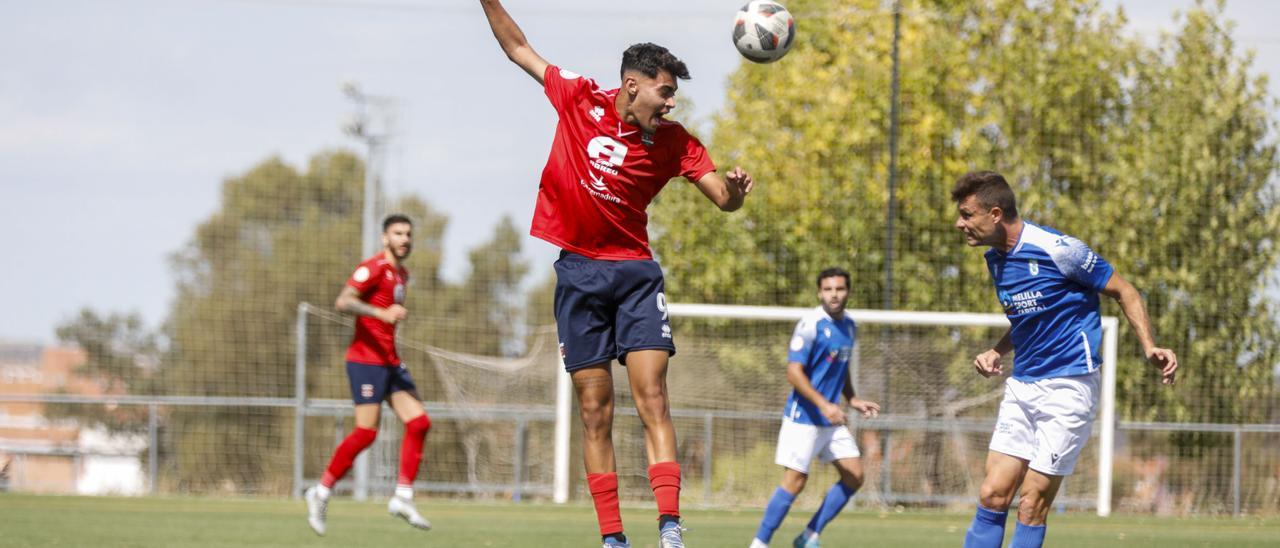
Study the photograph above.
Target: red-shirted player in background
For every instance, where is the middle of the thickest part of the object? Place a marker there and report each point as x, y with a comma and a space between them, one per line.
612, 153
375, 295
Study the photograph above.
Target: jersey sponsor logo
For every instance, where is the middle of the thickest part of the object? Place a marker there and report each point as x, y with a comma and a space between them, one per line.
666, 331
606, 154
1033, 267
361, 275
1090, 262
845, 353
596, 112
1021, 303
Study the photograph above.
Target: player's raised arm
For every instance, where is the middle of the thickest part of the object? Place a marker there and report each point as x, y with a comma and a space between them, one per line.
1136, 312
512, 40
727, 192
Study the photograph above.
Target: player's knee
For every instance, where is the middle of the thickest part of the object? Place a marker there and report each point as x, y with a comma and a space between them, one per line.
852, 480
994, 497
652, 405
418, 426
794, 483
596, 415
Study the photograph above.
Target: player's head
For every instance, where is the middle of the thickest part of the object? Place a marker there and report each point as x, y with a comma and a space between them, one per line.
833, 290
397, 235
985, 203
649, 74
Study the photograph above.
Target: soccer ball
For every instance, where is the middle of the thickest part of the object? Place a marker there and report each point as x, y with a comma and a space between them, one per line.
763, 31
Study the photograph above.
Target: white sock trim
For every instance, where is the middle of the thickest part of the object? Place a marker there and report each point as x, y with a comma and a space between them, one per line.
405, 492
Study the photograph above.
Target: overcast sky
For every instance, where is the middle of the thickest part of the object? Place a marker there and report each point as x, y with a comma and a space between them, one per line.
119, 120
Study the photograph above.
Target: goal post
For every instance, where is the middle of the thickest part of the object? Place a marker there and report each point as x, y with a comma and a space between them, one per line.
891, 418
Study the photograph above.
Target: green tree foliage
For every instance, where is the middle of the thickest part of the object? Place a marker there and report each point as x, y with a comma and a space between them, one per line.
281, 237
1158, 155
122, 356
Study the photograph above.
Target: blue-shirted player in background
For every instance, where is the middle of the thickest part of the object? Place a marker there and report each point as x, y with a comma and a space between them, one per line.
1048, 284
813, 423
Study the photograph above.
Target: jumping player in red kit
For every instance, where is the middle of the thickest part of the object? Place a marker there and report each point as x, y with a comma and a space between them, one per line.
613, 152
375, 295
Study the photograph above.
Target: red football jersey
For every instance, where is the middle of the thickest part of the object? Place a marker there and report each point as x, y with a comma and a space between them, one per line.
602, 172
380, 284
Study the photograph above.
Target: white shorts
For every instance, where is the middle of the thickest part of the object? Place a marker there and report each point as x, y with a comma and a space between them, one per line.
799, 443
1046, 422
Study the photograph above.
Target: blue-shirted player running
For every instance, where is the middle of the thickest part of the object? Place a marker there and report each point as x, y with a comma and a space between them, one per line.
813, 423
1048, 284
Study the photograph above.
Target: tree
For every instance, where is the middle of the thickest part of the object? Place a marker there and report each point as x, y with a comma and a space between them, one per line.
281, 237
122, 357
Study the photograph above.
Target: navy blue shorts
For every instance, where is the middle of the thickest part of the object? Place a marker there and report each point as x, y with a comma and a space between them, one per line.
373, 383
605, 309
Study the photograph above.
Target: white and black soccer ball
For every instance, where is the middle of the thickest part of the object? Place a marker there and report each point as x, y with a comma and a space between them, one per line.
763, 31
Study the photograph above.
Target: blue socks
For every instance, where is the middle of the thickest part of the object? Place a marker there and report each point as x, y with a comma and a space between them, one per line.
779, 505
1028, 536
987, 529
837, 497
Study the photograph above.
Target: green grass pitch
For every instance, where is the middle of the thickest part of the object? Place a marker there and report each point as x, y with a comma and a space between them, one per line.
32, 520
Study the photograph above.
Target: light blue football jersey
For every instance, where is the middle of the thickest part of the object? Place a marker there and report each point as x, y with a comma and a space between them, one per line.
823, 346
1048, 285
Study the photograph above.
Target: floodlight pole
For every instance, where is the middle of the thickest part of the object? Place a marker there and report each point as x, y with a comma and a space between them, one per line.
886, 466
359, 128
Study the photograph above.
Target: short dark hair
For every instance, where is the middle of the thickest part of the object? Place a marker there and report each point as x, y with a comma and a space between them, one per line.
990, 188
395, 219
648, 58
832, 273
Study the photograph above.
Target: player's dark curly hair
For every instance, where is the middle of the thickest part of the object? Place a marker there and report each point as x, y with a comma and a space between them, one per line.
395, 219
649, 58
832, 273
990, 187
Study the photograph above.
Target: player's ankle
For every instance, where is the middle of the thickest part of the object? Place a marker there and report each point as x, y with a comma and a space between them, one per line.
664, 519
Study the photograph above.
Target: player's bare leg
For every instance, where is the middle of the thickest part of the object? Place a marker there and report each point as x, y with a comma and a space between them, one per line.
792, 481
408, 409
1004, 475
1036, 496
317, 496
647, 371
594, 386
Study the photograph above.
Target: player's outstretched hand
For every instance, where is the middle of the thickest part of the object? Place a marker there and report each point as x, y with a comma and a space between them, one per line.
1166, 361
869, 409
988, 364
834, 414
393, 314
739, 181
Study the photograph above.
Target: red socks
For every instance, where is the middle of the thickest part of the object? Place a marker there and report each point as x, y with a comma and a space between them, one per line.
664, 478
415, 431
356, 441
604, 491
